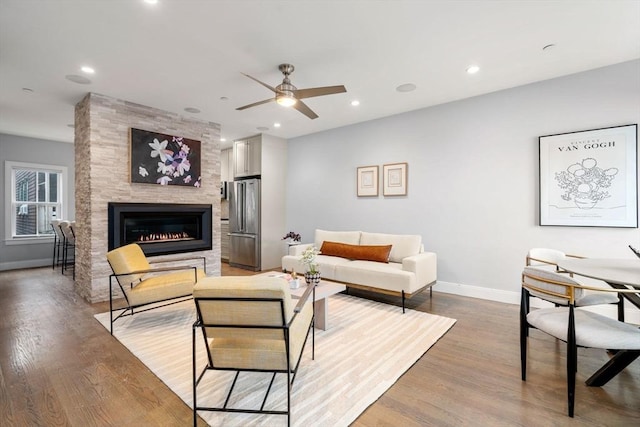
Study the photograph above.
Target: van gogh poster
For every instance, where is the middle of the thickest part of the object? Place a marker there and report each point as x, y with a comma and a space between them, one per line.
590, 178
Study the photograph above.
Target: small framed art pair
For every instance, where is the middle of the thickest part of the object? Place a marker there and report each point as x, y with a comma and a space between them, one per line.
394, 180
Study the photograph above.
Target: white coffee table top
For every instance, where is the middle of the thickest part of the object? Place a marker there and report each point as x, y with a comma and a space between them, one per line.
324, 289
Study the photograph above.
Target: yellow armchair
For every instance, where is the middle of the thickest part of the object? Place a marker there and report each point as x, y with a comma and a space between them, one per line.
143, 285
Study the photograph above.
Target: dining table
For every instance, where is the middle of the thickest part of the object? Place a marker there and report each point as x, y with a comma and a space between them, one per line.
619, 274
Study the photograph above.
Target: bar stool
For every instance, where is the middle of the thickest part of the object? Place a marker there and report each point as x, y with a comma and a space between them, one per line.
69, 246
58, 243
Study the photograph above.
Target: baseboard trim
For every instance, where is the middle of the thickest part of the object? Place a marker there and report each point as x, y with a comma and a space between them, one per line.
31, 263
631, 314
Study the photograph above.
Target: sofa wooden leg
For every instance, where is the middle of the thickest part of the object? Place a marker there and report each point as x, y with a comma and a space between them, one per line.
403, 299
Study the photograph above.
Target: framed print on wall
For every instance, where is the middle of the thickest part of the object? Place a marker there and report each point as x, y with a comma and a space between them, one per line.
157, 158
394, 179
590, 178
367, 181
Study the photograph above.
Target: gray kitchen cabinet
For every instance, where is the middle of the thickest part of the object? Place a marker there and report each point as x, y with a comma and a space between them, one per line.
247, 157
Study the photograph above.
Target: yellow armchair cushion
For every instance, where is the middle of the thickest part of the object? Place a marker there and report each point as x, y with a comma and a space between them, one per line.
125, 259
163, 287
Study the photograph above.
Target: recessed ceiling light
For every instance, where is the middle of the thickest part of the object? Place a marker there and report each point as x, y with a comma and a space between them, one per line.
224, 98
151, 1
549, 47
88, 70
192, 110
276, 125
262, 128
473, 69
407, 87
77, 79
27, 90
223, 139
355, 102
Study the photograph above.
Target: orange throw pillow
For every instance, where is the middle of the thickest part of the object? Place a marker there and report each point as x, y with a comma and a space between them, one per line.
361, 252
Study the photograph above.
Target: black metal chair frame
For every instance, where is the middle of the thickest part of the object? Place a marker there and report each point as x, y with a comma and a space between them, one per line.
130, 310
285, 328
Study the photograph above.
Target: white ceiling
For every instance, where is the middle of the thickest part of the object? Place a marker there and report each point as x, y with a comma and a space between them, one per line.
190, 53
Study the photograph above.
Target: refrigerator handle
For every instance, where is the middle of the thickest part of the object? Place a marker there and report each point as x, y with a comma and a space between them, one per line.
246, 236
241, 205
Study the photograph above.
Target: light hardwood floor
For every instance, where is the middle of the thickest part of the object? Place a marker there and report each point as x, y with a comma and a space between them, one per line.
59, 366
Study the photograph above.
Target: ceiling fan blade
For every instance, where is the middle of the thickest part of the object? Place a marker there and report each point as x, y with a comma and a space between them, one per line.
302, 107
263, 84
318, 91
255, 104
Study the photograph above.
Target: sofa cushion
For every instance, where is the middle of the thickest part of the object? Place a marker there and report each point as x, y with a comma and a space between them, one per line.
326, 264
362, 252
402, 245
377, 275
349, 237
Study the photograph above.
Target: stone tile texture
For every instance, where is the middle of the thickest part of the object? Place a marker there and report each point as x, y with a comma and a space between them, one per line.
102, 127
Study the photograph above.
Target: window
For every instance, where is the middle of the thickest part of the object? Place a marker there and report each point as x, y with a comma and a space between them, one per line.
35, 197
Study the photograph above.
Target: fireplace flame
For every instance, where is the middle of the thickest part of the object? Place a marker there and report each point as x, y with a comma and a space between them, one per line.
164, 237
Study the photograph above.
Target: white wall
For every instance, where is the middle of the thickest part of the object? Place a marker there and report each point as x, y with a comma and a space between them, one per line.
30, 150
274, 181
473, 177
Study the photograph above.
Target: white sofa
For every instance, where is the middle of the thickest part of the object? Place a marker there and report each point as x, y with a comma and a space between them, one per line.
409, 271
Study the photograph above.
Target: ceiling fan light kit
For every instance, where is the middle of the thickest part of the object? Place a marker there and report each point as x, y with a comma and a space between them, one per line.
286, 99
288, 95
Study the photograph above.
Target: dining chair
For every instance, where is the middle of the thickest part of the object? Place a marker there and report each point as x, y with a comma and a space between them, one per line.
250, 324
577, 327
548, 259
144, 286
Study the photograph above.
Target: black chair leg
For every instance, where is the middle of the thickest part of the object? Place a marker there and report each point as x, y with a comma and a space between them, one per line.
620, 308
572, 362
524, 333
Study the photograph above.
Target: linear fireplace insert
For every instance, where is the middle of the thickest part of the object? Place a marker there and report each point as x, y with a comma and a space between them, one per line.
160, 228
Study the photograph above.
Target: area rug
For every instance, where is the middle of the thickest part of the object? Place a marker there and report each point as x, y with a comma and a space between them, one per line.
366, 348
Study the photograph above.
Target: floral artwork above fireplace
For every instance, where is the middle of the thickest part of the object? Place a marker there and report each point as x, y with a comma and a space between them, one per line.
157, 158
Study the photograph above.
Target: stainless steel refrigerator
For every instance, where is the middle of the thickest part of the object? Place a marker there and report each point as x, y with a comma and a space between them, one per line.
244, 224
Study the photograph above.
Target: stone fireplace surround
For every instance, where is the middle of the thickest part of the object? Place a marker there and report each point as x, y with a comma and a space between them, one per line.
102, 126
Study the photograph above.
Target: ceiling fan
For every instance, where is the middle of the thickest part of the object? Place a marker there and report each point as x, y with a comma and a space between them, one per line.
289, 96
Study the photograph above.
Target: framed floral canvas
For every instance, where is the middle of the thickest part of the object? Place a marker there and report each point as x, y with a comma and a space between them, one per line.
157, 158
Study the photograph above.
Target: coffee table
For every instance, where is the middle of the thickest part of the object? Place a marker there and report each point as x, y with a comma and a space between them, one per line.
324, 290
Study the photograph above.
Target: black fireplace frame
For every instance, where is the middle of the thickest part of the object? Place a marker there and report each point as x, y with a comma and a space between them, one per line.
117, 212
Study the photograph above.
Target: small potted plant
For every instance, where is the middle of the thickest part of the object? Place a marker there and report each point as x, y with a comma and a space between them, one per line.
292, 236
312, 275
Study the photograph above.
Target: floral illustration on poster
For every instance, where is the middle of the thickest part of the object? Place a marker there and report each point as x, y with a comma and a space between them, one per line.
589, 178
162, 159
